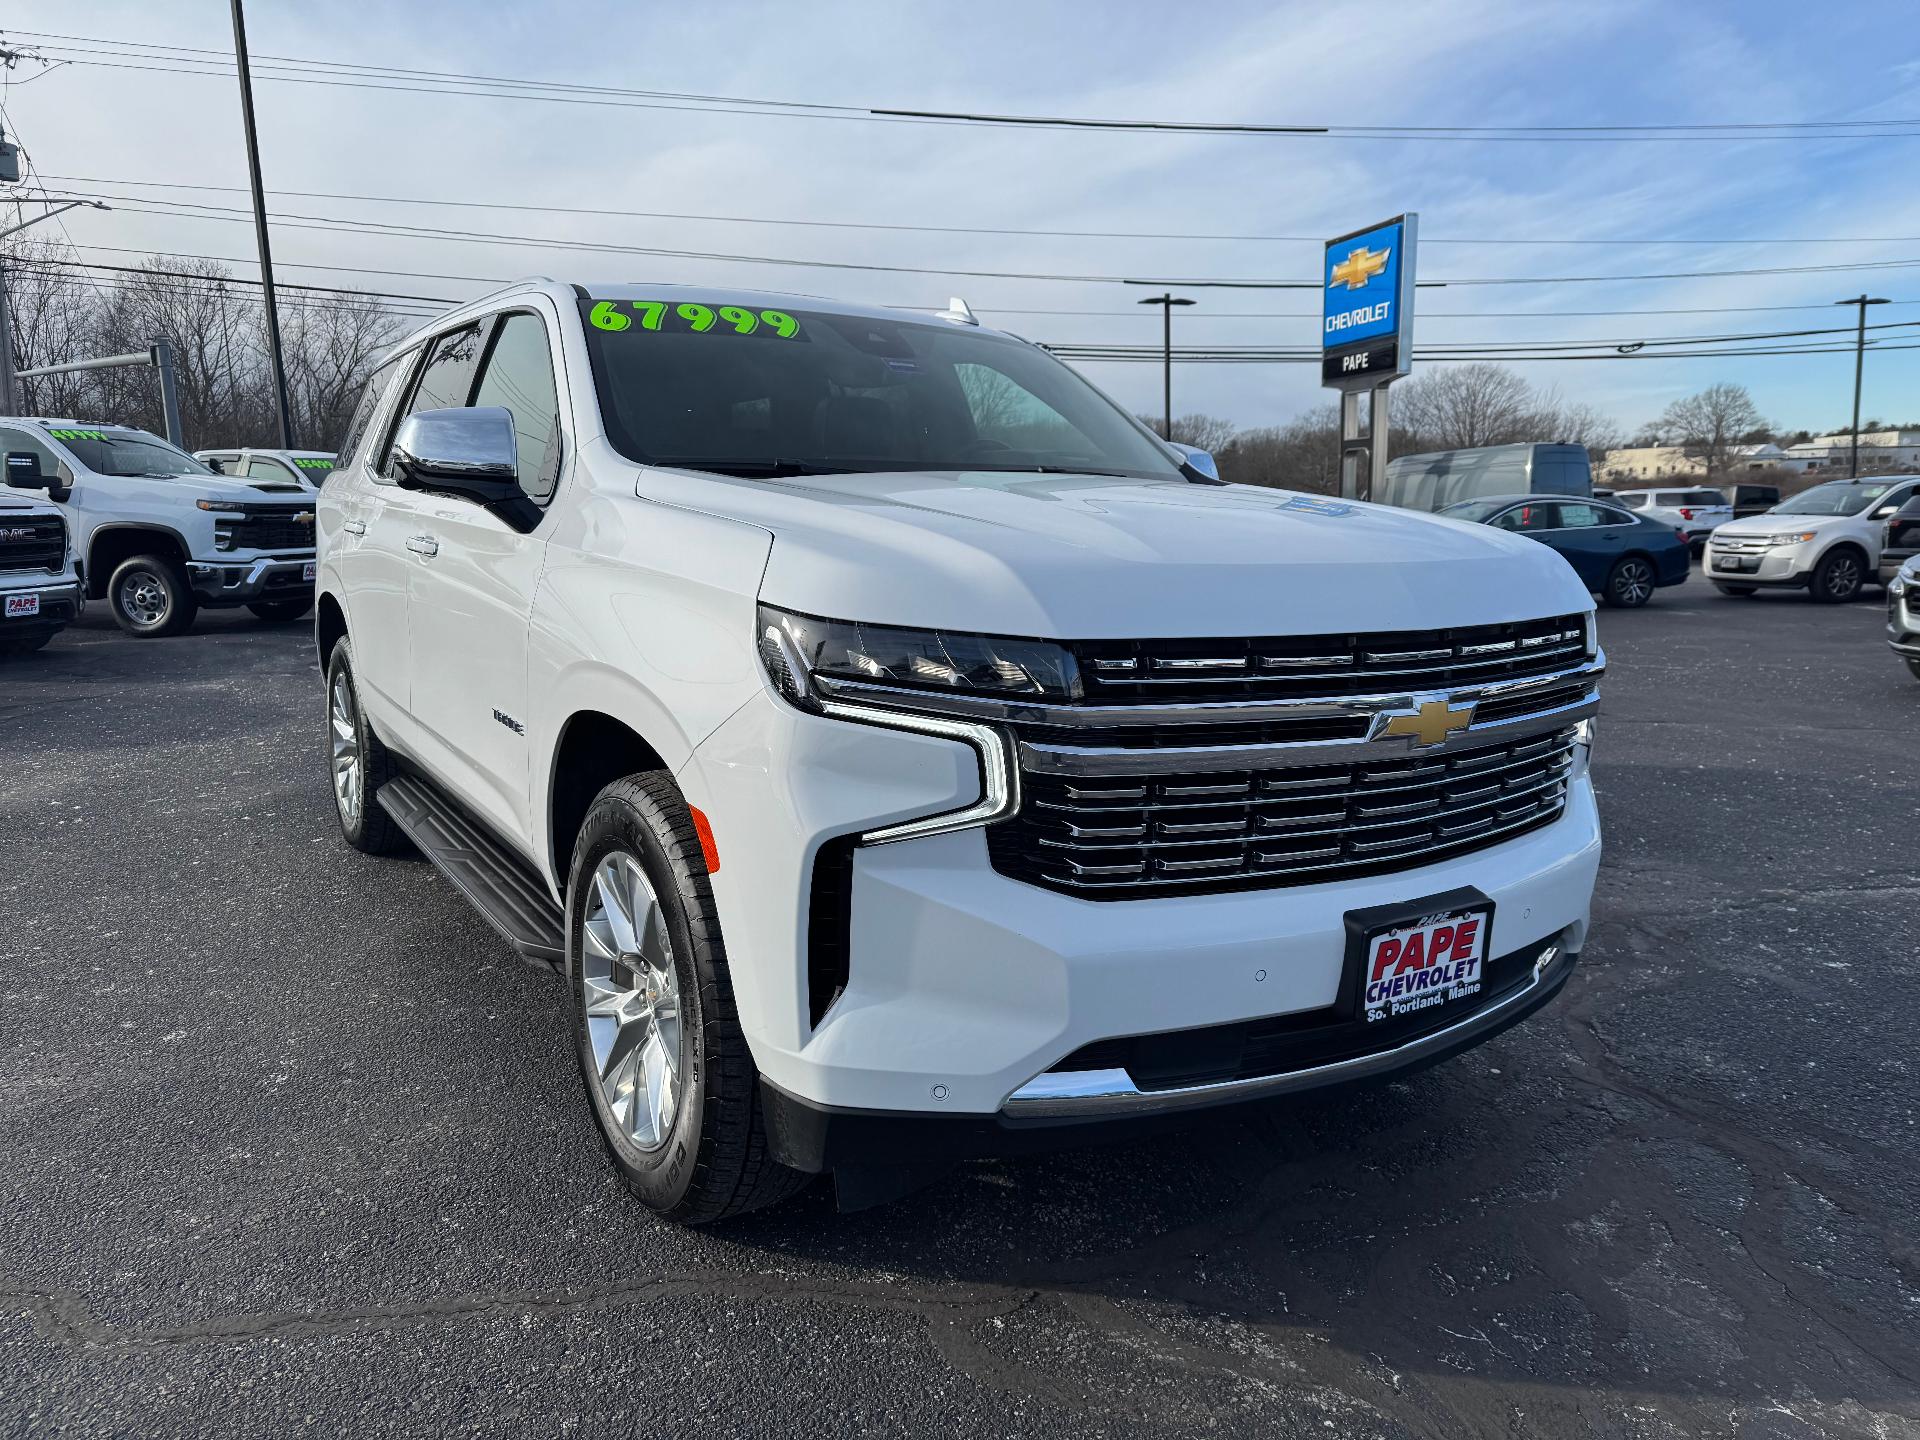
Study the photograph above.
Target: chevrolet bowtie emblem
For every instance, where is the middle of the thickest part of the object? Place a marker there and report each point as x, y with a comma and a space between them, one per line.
1429, 725
1359, 267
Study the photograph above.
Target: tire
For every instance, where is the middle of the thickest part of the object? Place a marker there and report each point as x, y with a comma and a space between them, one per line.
1739, 592
1630, 584
1839, 577
280, 612
357, 763
150, 598
666, 1068
24, 644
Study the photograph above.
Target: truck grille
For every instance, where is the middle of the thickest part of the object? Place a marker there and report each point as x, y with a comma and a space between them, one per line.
1120, 836
33, 542
1159, 671
280, 527
1723, 544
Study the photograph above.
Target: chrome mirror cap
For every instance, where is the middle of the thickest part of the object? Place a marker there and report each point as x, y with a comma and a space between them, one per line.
1197, 459
475, 443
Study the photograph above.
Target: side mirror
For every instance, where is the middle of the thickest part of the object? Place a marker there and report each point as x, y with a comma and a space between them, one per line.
1193, 458
24, 472
471, 452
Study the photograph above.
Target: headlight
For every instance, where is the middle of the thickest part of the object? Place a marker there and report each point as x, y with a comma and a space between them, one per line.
1796, 539
1582, 747
229, 506
1897, 586
935, 660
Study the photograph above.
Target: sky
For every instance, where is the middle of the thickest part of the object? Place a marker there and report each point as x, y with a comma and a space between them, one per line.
1490, 209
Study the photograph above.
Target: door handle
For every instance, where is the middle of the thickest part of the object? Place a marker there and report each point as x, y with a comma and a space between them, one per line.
423, 545
354, 527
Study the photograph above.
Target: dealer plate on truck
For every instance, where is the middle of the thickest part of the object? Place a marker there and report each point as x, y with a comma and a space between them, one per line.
21, 606
1424, 963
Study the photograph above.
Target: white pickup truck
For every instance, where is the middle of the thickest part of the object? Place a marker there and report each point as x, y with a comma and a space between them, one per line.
39, 590
906, 757
158, 535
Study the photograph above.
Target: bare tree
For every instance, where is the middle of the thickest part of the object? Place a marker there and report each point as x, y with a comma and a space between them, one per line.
55, 316
1206, 432
1708, 425
1303, 454
1560, 423
1460, 407
330, 344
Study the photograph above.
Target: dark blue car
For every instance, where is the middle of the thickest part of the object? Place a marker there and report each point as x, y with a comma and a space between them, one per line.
1621, 556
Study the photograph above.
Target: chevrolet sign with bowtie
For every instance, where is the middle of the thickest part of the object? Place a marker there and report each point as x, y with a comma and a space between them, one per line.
1366, 333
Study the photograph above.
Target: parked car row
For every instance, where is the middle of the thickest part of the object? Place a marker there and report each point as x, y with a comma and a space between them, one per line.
1620, 556
137, 522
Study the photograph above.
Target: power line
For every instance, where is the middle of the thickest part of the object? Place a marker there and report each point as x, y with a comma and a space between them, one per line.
197, 60
187, 209
610, 213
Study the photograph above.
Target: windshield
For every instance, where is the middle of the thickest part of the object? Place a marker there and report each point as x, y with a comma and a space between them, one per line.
1837, 497
128, 452
1477, 510
756, 391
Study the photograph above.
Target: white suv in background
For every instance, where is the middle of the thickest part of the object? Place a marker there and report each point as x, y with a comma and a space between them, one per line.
1694, 513
1825, 541
159, 535
308, 468
905, 756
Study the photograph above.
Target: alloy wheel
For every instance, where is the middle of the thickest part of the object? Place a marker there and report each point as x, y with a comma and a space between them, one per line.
345, 743
1843, 576
631, 995
143, 598
1634, 583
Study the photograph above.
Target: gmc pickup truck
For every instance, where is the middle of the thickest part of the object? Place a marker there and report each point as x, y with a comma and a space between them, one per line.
39, 591
906, 756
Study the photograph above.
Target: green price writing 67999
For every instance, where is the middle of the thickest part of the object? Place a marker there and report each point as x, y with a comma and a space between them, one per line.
687, 315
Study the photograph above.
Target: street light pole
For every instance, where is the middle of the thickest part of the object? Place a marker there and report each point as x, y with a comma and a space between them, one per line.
260, 228
1166, 304
1859, 368
9, 385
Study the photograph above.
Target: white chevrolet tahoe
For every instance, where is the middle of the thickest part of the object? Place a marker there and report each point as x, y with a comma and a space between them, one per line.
905, 757
1826, 540
39, 590
158, 535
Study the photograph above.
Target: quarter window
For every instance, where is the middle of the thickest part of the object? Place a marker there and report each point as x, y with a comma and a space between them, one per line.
519, 377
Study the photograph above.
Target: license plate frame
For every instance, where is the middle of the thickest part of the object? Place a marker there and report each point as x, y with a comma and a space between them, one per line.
22, 607
308, 571
1455, 980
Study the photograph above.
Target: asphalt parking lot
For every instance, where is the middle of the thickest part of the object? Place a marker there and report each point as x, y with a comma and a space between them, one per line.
291, 1143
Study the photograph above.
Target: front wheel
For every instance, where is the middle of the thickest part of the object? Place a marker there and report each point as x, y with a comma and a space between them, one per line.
667, 1071
280, 612
357, 763
1629, 583
150, 597
1838, 577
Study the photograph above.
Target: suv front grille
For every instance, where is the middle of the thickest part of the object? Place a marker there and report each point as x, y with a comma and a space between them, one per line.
33, 542
267, 528
1116, 672
1119, 836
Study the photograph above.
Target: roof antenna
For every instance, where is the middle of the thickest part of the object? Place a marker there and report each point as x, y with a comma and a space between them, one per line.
957, 311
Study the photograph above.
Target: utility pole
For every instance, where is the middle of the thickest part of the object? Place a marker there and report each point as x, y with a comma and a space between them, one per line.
1859, 367
260, 228
9, 385
1166, 304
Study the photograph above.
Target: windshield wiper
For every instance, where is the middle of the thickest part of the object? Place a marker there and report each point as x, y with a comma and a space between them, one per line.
763, 469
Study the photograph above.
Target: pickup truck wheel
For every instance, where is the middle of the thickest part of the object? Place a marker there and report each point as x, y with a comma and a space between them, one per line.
1629, 583
150, 597
666, 1068
280, 612
357, 763
1838, 577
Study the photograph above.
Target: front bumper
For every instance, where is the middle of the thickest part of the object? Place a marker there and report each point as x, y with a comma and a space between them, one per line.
1903, 622
60, 604
1786, 567
961, 986
235, 582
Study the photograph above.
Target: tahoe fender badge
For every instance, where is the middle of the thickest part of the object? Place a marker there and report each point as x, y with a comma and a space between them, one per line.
508, 721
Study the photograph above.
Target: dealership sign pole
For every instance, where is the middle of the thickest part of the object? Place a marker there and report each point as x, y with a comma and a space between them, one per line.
1366, 340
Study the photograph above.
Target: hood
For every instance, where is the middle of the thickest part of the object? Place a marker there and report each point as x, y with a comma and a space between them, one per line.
1098, 557
19, 503
1771, 524
219, 487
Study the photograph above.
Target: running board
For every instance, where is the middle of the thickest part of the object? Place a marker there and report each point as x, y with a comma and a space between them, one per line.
496, 882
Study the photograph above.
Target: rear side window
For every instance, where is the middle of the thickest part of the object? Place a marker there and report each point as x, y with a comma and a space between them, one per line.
1633, 502
519, 376
445, 383
259, 467
1705, 497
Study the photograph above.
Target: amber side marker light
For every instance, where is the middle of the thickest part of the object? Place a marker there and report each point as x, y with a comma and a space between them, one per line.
703, 828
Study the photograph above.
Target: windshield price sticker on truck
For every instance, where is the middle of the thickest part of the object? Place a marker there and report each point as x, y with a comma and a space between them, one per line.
312, 464
1427, 963
78, 434
666, 315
